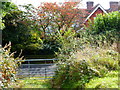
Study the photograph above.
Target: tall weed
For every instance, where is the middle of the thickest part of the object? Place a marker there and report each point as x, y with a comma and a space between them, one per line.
77, 67
8, 67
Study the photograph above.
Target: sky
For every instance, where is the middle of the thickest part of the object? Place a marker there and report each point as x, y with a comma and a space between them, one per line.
36, 3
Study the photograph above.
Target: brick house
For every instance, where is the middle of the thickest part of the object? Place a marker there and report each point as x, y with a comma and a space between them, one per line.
93, 10
97, 9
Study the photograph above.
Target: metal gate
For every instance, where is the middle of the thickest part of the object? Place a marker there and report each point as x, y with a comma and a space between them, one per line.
40, 69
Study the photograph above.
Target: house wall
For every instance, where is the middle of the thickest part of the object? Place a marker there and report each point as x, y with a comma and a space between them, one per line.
98, 11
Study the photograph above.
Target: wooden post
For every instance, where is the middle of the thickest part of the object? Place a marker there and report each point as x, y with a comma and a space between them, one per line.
118, 43
45, 73
118, 47
0, 38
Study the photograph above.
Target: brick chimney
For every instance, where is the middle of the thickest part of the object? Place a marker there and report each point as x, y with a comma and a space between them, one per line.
114, 6
89, 4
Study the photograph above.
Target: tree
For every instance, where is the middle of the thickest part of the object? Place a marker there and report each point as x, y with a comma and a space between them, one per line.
5, 7
53, 17
18, 29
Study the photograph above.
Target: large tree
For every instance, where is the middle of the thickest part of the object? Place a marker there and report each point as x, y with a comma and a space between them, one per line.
20, 32
5, 7
55, 17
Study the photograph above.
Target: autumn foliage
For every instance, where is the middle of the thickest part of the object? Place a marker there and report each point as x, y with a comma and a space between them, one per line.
53, 17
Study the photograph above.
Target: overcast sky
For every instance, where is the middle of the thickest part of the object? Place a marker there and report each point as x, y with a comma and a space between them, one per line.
36, 3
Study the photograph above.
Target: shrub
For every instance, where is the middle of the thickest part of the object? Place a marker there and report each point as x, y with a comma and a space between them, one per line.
9, 66
73, 74
71, 71
79, 66
32, 49
104, 28
102, 58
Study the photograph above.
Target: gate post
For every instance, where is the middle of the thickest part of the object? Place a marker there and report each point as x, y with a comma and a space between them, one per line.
45, 73
118, 47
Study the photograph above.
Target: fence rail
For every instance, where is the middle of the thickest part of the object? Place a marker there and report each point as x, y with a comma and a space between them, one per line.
44, 70
41, 60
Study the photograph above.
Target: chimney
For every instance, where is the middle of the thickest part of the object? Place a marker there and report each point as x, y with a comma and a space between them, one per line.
114, 6
89, 4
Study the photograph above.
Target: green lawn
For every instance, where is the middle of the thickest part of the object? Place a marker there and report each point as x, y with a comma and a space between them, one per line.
109, 81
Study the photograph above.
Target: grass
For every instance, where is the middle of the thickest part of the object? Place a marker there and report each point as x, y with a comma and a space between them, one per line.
109, 81
35, 83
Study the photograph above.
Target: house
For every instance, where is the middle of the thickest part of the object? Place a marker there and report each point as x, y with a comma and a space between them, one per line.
93, 10
97, 9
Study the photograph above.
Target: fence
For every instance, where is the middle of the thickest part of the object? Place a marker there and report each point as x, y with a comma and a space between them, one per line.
39, 68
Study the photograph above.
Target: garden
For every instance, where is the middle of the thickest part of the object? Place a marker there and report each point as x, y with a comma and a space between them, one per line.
87, 58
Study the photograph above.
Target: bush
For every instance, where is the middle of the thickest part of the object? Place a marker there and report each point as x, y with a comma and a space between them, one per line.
32, 49
71, 71
103, 59
73, 74
9, 66
79, 66
50, 45
104, 29
81, 59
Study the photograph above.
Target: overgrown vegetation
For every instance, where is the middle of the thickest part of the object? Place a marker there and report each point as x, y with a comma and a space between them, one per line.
8, 67
104, 29
109, 81
77, 67
91, 55
82, 61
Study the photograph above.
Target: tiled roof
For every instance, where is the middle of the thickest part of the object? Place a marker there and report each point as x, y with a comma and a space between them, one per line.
107, 10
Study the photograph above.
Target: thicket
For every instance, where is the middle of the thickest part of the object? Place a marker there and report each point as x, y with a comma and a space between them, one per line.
91, 55
78, 64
